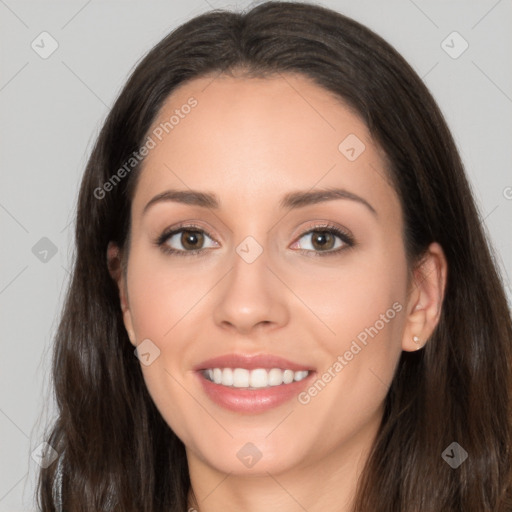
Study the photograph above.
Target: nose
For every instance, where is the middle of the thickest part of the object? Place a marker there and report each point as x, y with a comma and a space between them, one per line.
251, 297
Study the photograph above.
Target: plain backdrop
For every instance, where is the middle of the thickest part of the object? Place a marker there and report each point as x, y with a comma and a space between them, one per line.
52, 107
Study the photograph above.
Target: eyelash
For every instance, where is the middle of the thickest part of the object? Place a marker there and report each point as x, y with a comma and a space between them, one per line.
346, 238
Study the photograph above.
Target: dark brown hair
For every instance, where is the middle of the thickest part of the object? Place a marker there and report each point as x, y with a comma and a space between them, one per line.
117, 452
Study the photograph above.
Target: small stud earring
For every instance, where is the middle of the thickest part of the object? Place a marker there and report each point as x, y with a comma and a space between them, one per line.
416, 340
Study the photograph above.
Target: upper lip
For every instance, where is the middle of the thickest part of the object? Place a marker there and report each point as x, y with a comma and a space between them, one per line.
251, 362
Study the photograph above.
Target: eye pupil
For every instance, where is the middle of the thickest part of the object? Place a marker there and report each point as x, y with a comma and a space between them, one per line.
188, 237
322, 238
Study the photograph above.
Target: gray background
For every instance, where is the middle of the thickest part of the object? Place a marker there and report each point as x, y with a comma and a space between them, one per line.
52, 110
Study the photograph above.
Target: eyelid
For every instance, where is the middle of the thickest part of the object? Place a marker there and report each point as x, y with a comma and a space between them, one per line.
319, 225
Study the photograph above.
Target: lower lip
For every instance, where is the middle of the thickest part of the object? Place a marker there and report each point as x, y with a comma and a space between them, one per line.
251, 401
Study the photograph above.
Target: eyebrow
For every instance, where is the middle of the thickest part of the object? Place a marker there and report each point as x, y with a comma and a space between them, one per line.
290, 201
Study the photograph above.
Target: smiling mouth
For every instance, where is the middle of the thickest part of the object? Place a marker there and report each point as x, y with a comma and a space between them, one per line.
257, 378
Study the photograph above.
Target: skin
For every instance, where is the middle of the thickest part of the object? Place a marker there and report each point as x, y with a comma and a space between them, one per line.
251, 141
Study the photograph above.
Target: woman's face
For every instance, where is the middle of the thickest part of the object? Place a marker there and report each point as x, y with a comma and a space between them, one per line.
269, 280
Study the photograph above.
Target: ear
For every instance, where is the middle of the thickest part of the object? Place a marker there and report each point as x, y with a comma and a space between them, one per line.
425, 299
114, 263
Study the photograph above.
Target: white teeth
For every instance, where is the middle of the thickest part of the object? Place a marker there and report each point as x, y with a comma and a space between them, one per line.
257, 378
217, 375
227, 376
240, 378
275, 377
288, 376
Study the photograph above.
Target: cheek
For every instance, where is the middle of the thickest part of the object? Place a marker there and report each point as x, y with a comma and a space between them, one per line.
161, 296
363, 316
362, 313
353, 296
161, 305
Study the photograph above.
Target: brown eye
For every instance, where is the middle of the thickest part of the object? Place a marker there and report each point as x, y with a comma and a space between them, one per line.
323, 240
326, 240
191, 239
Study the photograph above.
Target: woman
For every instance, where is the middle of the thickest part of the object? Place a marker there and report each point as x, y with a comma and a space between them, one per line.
374, 377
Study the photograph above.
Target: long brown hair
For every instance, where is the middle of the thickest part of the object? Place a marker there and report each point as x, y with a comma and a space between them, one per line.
115, 450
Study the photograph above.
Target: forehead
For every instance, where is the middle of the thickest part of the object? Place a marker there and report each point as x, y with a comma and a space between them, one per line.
248, 138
